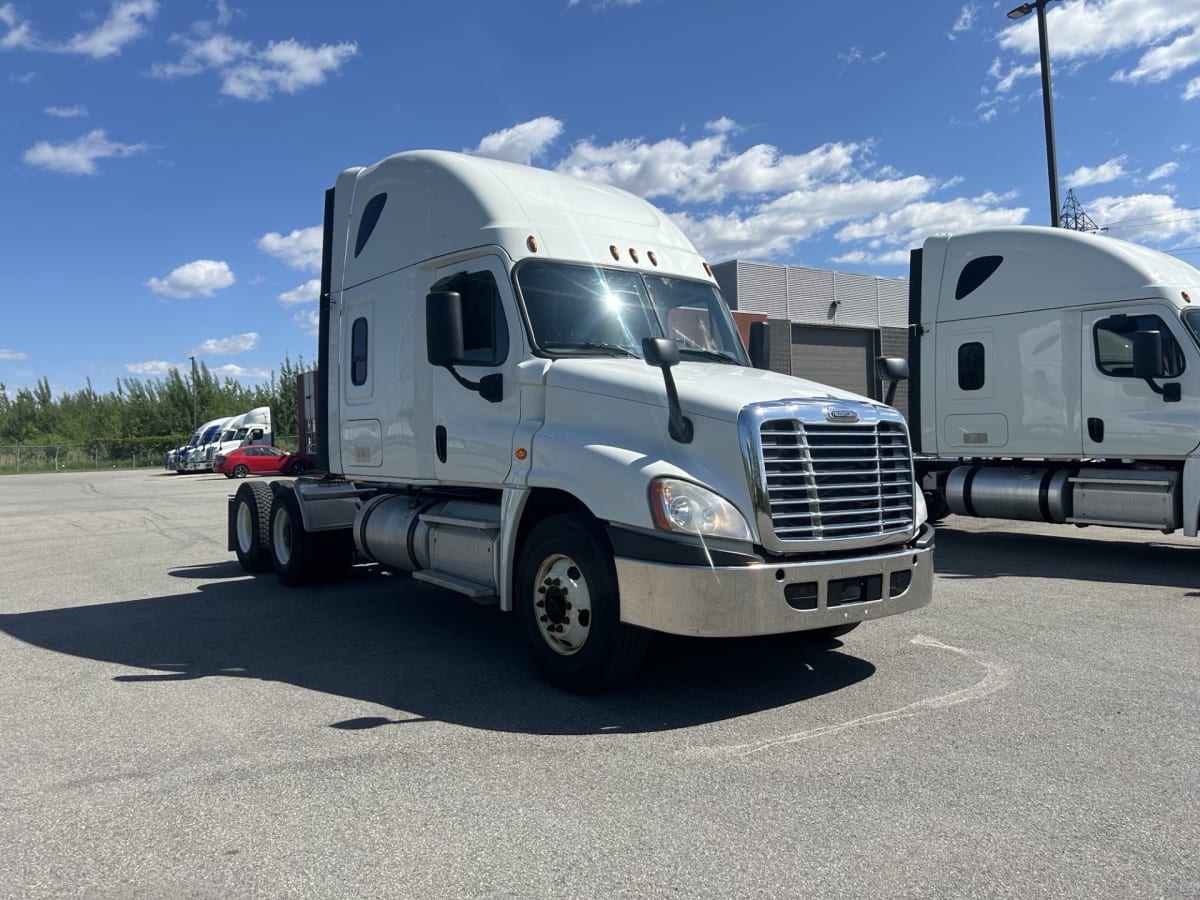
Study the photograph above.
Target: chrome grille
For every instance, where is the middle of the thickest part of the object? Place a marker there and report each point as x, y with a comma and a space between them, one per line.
830, 481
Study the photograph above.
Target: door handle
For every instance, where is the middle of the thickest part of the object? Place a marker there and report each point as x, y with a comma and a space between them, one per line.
1096, 430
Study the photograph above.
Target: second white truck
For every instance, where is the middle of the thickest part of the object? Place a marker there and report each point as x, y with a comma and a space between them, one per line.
531, 392
1055, 376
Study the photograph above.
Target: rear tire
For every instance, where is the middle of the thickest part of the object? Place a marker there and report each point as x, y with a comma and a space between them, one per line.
240, 471
252, 526
302, 557
568, 602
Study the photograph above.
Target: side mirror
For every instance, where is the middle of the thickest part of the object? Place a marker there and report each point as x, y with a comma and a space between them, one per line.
664, 353
760, 345
661, 352
444, 328
1147, 354
893, 370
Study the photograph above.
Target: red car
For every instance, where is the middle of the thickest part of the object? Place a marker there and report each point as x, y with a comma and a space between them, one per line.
260, 461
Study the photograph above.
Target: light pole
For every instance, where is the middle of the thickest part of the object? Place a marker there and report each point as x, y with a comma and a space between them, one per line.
1047, 96
195, 421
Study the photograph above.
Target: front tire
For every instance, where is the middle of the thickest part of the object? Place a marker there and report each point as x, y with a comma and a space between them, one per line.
252, 526
568, 603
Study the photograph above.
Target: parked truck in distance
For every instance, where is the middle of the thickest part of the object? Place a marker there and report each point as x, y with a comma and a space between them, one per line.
1055, 376
531, 392
196, 457
252, 428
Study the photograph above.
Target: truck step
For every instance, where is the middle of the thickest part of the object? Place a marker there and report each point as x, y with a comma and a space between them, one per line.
472, 589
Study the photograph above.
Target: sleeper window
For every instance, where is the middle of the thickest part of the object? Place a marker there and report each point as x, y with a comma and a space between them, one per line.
971, 366
358, 352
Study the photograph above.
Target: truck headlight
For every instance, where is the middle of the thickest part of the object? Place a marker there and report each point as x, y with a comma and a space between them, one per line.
687, 508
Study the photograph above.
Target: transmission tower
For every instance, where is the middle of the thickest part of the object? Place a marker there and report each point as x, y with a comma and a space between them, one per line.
1074, 217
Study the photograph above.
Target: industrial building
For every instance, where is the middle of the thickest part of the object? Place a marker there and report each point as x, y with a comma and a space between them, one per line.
824, 325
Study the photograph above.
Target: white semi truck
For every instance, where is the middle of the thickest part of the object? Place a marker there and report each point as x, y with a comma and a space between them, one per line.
250, 428
531, 392
1056, 377
196, 456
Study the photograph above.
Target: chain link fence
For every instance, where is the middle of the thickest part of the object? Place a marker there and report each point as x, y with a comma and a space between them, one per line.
121, 454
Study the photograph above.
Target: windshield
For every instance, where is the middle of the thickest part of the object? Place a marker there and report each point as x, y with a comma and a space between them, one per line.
586, 310
1192, 319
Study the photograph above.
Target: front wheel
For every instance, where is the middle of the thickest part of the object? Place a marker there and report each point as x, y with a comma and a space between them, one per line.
568, 602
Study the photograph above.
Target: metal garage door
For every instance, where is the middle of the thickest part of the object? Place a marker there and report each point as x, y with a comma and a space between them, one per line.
842, 357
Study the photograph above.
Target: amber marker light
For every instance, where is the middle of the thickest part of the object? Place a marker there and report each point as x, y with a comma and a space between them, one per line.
612, 248
653, 259
633, 254
521, 453
708, 271
531, 243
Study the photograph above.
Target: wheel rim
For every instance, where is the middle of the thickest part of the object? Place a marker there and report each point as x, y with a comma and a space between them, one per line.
563, 606
240, 471
245, 528
281, 536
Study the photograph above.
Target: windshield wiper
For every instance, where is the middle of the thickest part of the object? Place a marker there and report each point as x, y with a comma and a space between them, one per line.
710, 354
612, 349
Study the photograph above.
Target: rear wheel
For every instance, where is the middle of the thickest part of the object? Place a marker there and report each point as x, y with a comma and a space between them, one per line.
568, 602
302, 557
252, 526
240, 471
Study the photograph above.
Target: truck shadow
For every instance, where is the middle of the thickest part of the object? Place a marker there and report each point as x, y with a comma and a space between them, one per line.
995, 554
423, 652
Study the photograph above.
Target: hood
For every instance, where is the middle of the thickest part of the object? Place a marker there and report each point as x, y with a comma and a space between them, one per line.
705, 389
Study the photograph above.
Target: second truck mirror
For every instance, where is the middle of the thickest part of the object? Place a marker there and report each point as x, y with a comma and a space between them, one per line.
444, 328
1147, 354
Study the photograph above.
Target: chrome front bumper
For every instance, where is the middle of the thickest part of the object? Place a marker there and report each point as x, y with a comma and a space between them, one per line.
767, 598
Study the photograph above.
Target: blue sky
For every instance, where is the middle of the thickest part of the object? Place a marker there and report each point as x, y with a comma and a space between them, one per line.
163, 164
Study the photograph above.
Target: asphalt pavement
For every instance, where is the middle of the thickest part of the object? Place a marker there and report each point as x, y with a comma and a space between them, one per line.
171, 727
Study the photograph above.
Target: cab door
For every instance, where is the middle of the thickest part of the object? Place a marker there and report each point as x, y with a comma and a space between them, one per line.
473, 436
1123, 416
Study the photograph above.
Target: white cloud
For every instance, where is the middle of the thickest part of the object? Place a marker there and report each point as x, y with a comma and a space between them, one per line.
1148, 218
67, 112
255, 74
521, 143
238, 343
300, 249
125, 23
1192, 89
13, 354
305, 293
231, 370
199, 278
19, 35
1168, 31
1085, 176
309, 320
706, 170
154, 367
965, 21
78, 157
1166, 170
